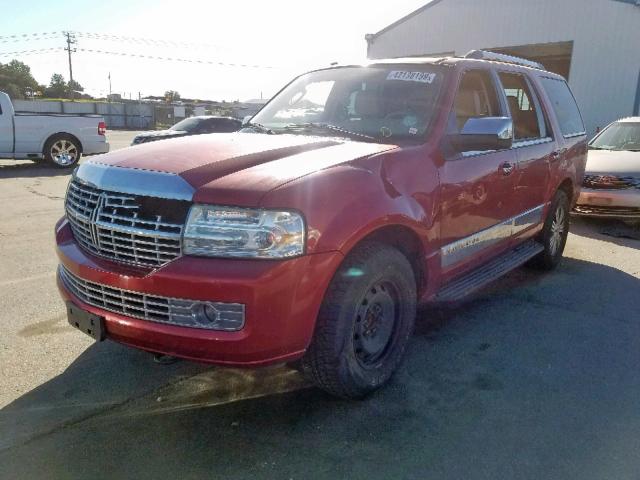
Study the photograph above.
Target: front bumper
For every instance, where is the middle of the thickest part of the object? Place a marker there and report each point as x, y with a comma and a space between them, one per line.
609, 203
281, 300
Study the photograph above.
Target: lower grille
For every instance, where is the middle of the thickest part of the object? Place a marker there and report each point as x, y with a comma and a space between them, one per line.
173, 311
607, 211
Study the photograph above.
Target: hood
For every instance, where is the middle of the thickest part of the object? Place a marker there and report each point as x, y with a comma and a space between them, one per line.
622, 163
239, 168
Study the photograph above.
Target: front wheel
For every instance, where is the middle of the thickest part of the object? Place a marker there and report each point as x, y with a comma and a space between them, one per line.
554, 234
63, 151
364, 323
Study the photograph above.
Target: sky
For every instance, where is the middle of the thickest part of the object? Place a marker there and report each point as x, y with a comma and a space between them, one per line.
279, 39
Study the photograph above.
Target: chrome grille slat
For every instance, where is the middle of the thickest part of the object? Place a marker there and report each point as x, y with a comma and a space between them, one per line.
108, 224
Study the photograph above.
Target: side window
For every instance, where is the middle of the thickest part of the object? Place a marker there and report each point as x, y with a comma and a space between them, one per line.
211, 125
564, 105
476, 97
525, 111
230, 126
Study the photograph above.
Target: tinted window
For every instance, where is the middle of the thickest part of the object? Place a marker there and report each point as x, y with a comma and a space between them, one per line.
476, 97
209, 126
228, 125
522, 106
187, 125
564, 105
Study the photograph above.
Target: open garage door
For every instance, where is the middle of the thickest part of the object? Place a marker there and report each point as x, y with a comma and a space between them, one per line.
556, 57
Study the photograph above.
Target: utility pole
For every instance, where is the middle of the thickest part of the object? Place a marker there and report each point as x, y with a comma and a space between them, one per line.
71, 40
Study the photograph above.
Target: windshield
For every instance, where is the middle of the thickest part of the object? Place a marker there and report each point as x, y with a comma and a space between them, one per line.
619, 136
386, 103
187, 125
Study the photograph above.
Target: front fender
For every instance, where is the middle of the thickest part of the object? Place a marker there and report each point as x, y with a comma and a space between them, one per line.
344, 204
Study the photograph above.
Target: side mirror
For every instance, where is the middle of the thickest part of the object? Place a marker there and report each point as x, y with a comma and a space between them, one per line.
484, 133
246, 119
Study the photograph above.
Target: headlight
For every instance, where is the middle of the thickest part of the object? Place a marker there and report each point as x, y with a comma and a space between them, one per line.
215, 231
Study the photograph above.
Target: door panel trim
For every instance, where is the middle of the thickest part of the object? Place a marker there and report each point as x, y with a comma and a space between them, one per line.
528, 143
462, 249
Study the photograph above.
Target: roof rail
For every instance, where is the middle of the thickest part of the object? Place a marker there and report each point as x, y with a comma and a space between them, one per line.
501, 57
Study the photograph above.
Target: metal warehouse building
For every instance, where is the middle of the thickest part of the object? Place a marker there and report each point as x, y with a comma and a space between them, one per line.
595, 44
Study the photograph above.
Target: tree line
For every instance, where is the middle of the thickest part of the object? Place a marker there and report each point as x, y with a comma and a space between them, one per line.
17, 81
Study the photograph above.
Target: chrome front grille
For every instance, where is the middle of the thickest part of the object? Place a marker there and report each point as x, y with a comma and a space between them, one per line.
181, 312
610, 182
115, 226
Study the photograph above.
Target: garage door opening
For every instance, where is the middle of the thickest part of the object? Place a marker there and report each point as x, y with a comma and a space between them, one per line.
556, 57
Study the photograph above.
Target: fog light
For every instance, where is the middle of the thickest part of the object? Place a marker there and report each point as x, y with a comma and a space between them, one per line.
205, 314
209, 315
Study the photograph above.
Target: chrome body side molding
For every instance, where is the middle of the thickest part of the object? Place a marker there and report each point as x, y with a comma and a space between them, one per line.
147, 183
464, 248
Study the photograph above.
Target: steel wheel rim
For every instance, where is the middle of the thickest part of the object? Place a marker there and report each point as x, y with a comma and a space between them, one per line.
375, 324
64, 152
557, 229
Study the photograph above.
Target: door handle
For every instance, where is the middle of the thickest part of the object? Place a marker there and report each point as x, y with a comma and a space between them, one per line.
555, 156
507, 168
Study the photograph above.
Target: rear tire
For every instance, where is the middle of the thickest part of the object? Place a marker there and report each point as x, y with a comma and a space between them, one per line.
554, 234
63, 151
364, 323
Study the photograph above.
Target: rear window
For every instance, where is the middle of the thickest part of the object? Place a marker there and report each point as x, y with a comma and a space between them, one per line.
564, 106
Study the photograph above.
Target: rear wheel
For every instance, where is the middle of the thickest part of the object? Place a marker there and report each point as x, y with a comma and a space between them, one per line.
554, 233
63, 151
364, 324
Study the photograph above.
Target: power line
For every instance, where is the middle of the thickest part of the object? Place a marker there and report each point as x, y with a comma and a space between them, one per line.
175, 59
26, 37
147, 41
30, 52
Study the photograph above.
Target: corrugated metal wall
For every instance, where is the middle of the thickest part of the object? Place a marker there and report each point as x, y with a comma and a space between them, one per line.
605, 67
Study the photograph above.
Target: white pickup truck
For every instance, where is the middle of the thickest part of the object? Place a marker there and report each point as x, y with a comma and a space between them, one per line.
58, 138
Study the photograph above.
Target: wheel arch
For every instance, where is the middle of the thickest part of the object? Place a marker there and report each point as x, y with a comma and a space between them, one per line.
568, 187
403, 238
61, 134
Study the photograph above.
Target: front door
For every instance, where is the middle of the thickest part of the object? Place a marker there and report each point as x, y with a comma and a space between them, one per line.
476, 187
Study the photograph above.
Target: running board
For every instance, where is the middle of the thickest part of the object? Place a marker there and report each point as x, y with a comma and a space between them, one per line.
487, 273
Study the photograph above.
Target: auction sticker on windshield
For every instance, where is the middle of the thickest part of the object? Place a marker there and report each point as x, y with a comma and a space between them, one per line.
423, 77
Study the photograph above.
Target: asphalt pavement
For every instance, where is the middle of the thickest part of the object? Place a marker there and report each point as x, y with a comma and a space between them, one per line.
536, 377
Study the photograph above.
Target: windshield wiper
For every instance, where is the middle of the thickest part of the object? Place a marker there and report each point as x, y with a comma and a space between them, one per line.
330, 128
258, 127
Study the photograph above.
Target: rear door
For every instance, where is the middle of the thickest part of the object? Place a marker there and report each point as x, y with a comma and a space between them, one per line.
476, 187
6, 133
534, 146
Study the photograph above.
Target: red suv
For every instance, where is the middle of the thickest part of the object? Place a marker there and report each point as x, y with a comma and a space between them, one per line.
356, 193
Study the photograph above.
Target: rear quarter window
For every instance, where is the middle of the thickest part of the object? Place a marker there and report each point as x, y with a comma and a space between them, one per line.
564, 105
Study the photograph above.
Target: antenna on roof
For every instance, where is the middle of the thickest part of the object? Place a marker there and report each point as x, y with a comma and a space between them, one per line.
501, 57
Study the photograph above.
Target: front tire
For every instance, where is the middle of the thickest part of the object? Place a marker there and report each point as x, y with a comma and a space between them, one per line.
63, 151
364, 323
554, 234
